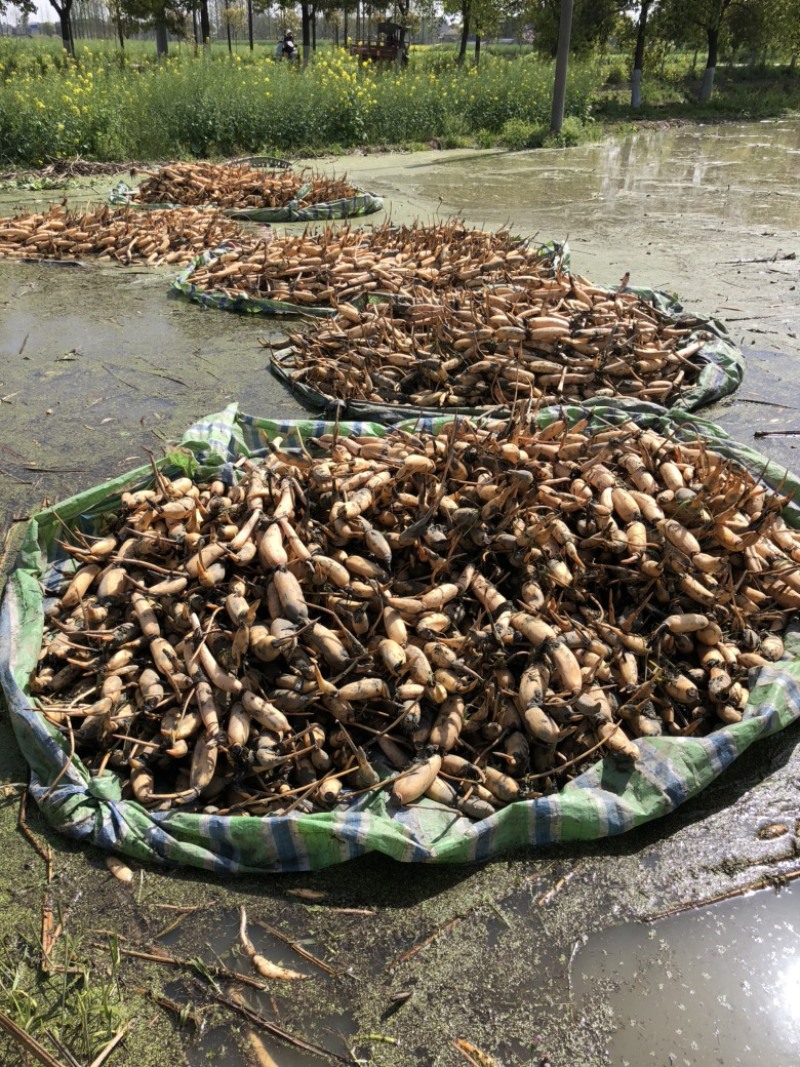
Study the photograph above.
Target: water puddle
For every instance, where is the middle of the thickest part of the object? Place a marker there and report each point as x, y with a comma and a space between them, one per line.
719, 986
324, 1019
97, 364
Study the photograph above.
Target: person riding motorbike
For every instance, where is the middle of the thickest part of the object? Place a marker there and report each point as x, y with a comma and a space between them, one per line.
287, 49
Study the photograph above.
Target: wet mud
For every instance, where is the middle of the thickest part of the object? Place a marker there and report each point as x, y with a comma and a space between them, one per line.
553, 955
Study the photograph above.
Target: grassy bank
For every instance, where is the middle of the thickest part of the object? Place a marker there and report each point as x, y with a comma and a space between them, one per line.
671, 91
105, 109
120, 106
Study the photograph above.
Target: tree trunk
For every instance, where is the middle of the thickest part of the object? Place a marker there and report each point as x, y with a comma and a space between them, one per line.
314, 28
306, 13
707, 88
162, 41
562, 62
344, 28
250, 24
477, 49
228, 31
205, 23
462, 48
638, 58
65, 23
120, 34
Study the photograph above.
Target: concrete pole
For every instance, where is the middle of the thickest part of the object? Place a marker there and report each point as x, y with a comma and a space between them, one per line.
562, 59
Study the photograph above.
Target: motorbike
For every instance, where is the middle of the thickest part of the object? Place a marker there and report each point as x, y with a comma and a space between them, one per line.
287, 50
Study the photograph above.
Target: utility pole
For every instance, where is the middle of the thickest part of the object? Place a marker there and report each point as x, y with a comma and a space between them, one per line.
562, 60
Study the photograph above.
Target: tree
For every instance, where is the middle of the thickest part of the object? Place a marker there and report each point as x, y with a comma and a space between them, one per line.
24, 7
770, 25
64, 12
348, 8
487, 16
306, 14
119, 19
788, 28
593, 24
234, 18
164, 16
638, 58
562, 59
709, 17
462, 8
205, 23
404, 18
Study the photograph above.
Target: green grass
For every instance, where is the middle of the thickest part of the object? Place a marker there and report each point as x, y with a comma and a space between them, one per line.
115, 106
76, 1003
109, 107
670, 91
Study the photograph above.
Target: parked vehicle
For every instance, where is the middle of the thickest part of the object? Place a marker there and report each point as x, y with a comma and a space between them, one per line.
389, 47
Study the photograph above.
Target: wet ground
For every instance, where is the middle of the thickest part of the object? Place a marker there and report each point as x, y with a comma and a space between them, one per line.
545, 954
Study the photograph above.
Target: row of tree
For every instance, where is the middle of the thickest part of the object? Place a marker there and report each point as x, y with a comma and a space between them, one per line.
760, 26
701, 25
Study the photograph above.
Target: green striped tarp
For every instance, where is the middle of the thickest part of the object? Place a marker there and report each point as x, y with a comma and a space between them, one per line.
608, 799
349, 207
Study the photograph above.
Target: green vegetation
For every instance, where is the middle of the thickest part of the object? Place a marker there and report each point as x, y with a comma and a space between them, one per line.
101, 108
75, 1004
742, 91
110, 104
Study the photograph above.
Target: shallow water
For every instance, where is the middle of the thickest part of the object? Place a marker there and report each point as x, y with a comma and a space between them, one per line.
739, 174
720, 986
331, 1026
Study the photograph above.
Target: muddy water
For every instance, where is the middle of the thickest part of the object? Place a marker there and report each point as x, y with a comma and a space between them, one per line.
331, 1026
97, 364
720, 986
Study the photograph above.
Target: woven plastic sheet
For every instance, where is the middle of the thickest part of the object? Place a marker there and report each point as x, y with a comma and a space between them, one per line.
244, 303
721, 371
240, 302
348, 207
721, 364
556, 254
608, 799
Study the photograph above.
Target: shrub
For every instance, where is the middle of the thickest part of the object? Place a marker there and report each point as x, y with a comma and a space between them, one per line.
573, 132
518, 135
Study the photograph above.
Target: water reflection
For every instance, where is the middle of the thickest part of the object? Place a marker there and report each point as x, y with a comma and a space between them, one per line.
717, 986
699, 171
